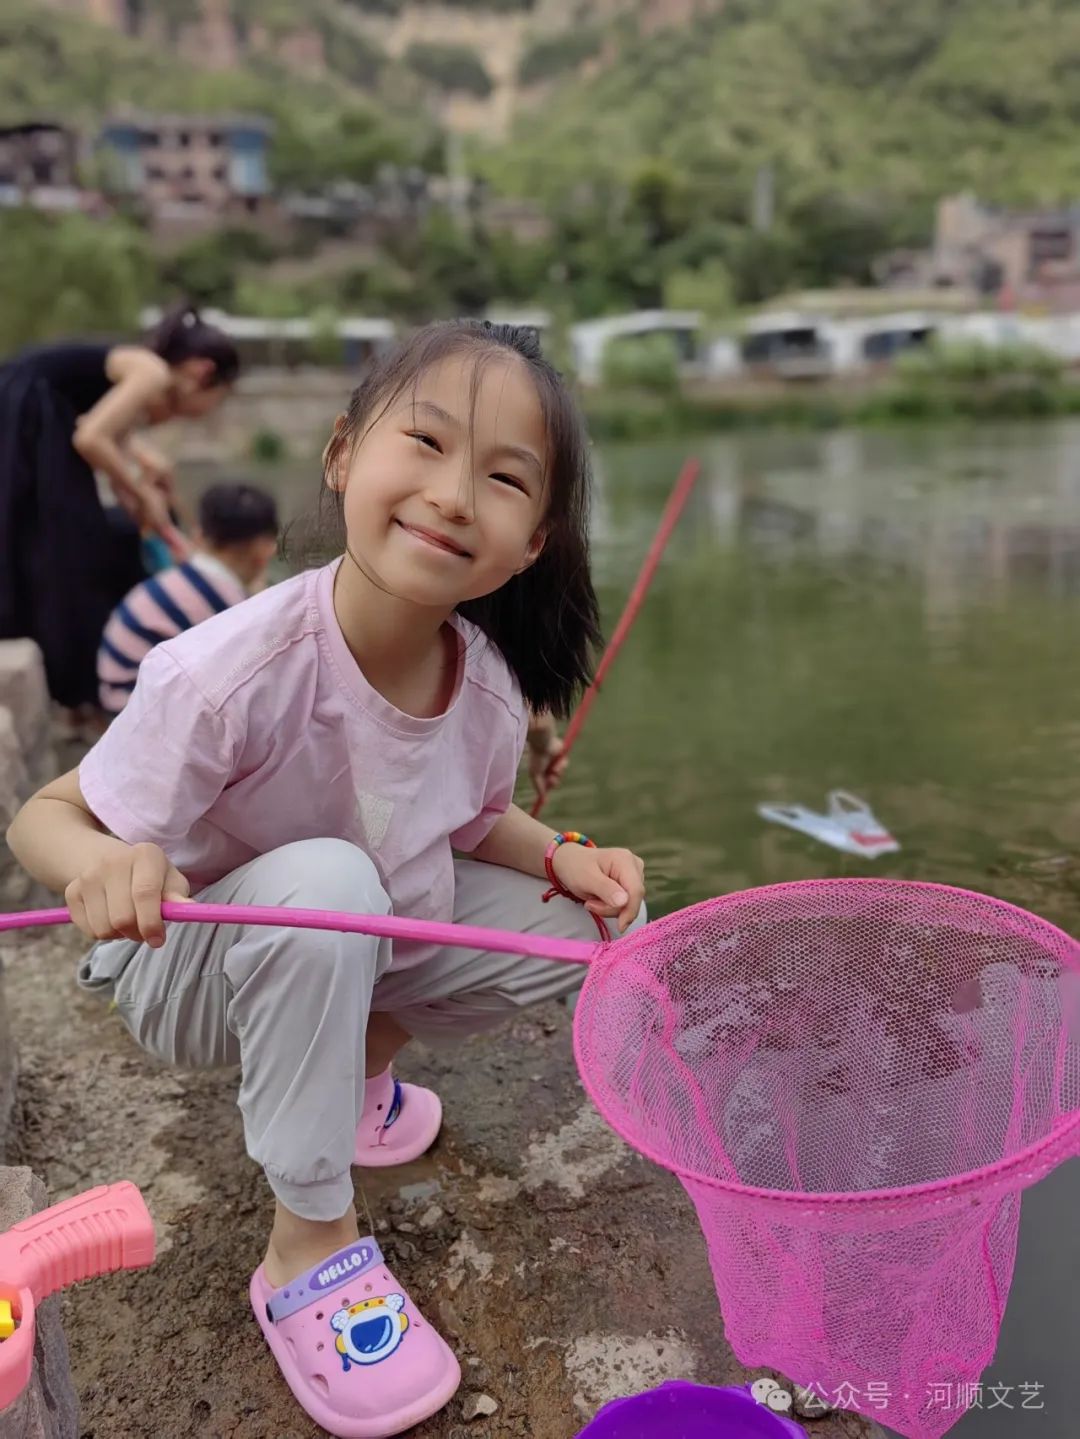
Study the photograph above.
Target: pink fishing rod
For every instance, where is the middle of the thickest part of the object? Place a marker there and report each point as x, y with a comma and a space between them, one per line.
669, 519
382, 926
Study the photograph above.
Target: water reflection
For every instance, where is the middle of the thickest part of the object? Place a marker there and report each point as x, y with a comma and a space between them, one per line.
890, 612
850, 494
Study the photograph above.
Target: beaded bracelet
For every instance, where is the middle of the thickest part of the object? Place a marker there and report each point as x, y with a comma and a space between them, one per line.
570, 836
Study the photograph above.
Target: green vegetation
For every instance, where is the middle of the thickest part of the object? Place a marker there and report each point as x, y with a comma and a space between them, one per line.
707, 289
953, 383
54, 64
552, 55
849, 118
435, 268
177, 13
497, 7
630, 415
863, 112
69, 277
972, 362
451, 67
319, 143
77, 276
646, 362
327, 346
277, 17
282, 18
268, 447
208, 268
377, 7
353, 58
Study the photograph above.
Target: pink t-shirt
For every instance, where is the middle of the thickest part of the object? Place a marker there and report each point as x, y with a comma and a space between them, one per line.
257, 728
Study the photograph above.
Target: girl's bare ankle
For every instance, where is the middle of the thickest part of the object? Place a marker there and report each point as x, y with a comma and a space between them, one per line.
296, 1244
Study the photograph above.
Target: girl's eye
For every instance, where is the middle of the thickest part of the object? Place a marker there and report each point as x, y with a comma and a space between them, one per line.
510, 480
424, 439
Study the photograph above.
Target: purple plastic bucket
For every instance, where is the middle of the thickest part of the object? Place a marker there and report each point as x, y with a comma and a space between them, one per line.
678, 1410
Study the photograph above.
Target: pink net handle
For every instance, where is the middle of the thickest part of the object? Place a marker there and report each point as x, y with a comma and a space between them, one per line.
382, 926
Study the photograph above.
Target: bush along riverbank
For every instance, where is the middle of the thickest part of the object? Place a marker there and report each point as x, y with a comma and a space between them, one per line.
932, 385
284, 416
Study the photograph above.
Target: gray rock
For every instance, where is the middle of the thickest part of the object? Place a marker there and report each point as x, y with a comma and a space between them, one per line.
14, 778
27, 760
23, 692
8, 1074
415, 1193
47, 1407
478, 1406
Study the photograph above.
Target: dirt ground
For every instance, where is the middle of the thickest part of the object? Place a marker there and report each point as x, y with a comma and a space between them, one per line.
564, 1269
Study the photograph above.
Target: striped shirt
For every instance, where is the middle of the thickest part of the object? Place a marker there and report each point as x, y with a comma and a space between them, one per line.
158, 609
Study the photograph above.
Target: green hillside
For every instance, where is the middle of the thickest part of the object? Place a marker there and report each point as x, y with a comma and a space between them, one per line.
897, 97
857, 115
61, 66
864, 111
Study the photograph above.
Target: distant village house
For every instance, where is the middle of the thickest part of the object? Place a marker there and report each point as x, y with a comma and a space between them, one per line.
190, 172
1026, 258
39, 166
591, 338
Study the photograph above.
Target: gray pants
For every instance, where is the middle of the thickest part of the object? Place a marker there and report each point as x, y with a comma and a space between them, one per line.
291, 1006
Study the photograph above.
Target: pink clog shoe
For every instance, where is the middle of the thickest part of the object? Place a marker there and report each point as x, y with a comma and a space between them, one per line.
355, 1351
399, 1123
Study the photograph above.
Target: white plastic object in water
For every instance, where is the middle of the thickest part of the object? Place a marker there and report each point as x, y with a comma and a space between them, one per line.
848, 824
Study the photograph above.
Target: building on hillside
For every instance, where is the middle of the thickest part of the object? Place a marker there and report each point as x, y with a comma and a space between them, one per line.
796, 345
39, 167
341, 210
290, 343
786, 345
190, 172
591, 338
1029, 258
880, 340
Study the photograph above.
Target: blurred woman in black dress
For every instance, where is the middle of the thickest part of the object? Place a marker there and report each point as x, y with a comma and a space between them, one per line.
66, 411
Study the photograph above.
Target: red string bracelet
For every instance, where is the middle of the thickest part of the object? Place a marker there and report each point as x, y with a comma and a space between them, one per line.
570, 836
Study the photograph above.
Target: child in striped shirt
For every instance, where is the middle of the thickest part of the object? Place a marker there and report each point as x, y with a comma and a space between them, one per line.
235, 542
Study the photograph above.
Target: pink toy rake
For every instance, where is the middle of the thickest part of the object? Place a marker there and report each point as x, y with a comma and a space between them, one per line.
854, 1080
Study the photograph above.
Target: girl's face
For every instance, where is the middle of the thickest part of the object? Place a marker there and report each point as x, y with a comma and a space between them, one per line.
444, 495
194, 393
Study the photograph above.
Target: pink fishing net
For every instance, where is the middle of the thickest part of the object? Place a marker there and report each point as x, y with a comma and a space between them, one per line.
854, 1080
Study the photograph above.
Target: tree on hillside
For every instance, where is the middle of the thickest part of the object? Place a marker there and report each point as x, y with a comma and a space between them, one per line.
69, 276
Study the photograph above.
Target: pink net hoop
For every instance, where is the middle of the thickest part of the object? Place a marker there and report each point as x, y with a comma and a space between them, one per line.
854, 1080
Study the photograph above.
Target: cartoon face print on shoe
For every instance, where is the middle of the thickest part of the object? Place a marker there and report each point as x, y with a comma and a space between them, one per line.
370, 1332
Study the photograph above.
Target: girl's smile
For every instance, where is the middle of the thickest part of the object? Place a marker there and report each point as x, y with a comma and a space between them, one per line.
433, 539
